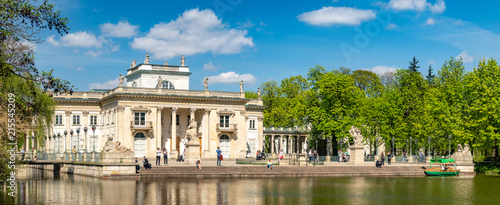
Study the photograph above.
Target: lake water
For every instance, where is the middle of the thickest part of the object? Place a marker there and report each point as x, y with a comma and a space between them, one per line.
47, 188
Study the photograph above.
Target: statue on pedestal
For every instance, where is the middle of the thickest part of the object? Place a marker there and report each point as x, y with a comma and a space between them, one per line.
120, 78
191, 133
183, 60
241, 86
258, 93
133, 64
356, 134
206, 83
160, 81
146, 60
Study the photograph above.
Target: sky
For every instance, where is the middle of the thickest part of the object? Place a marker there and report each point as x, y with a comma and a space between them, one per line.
258, 41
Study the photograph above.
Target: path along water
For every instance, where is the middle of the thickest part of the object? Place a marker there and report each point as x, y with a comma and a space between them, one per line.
48, 188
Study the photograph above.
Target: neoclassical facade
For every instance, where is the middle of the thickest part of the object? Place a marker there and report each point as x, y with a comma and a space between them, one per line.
153, 110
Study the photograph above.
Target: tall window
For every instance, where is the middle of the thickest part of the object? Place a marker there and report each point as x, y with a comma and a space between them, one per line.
224, 121
252, 124
76, 119
134, 84
189, 117
93, 120
167, 85
176, 119
140, 118
59, 120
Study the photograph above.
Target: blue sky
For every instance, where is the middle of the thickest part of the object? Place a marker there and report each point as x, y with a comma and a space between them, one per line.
258, 41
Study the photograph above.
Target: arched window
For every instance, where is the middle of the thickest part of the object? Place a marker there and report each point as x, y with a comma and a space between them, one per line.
139, 145
167, 85
134, 84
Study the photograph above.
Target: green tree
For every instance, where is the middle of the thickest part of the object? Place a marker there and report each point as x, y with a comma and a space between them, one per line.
367, 81
251, 94
430, 76
413, 65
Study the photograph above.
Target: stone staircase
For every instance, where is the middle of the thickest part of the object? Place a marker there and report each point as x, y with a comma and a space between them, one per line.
280, 171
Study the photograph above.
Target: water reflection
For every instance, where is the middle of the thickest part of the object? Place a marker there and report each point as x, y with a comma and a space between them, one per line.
47, 188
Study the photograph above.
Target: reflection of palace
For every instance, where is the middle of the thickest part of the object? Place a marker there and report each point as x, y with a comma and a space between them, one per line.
153, 110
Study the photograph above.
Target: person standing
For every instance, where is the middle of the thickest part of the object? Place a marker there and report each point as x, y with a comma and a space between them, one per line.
404, 157
310, 155
339, 154
158, 157
198, 165
165, 156
382, 157
22, 154
315, 156
219, 156
389, 157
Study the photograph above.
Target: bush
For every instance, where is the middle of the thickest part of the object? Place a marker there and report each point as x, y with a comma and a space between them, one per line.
493, 167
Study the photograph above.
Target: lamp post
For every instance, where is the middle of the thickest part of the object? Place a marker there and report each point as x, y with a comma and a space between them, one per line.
327, 147
65, 133
85, 139
93, 141
58, 142
78, 139
429, 151
53, 142
316, 145
71, 141
411, 140
449, 148
392, 146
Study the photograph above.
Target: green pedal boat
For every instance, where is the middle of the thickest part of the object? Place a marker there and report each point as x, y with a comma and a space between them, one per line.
442, 167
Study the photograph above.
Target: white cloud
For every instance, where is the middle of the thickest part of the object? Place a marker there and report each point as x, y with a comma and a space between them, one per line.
245, 24
191, 33
438, 7
52, 41
459, 22
391, 26
107, 85
121, 29
418, 5
209, 66
94, 53
232, 77
466, 58
328, 16
380, 69
430, 21
81, 39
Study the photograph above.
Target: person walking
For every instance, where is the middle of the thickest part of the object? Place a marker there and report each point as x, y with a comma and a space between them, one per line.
404, 157
165, 156
219, 156
158, 157
382, 157
315, 156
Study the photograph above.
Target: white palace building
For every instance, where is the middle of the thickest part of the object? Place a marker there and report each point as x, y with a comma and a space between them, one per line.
153, 111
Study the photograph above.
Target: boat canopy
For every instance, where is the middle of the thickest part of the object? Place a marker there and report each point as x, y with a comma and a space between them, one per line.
442, 161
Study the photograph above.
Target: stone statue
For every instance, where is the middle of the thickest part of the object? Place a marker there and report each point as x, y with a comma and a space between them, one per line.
111, 146
160, 81
183, 60
206, 83
258, 93
133, 64
191, 133
466, 148
146, 60
121, 77
459, 148
166, 63
241, 86
356, 134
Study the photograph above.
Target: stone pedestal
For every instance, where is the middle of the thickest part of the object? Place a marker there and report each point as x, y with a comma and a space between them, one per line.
357, 157
464, 159
328, 158
117, 157
192, 152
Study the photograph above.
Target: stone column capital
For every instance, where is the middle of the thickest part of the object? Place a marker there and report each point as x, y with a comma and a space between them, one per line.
206, 111
174, 109
192, 110
85, 113
68, 113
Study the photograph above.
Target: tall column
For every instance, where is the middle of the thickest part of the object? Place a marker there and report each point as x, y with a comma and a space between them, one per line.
191, 117
272, 144
174, 131
67, 140
205, 137
281, 143
158, 127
